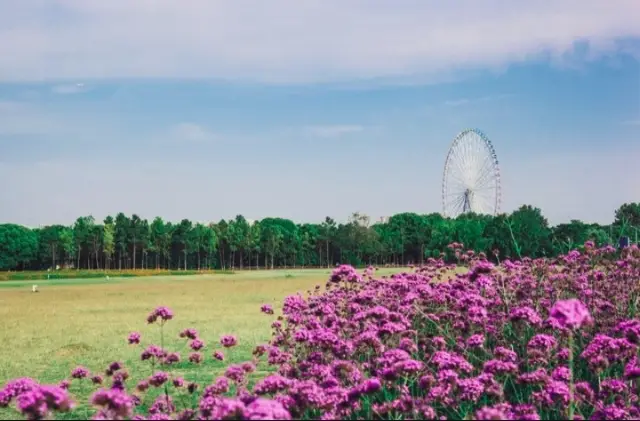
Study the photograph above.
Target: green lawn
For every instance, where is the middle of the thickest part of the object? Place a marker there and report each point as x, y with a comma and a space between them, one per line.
86, 321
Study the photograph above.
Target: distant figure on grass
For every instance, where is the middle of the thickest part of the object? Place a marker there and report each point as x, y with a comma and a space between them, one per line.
34, 288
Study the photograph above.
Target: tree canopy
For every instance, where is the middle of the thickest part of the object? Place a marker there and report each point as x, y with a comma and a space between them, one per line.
131, 242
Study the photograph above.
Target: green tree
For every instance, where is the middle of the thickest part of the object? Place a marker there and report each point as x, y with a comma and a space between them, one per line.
18, 246
51, 238
82, 230
122, 237
108, 238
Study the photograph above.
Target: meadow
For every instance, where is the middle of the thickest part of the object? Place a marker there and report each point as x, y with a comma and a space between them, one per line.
85, 322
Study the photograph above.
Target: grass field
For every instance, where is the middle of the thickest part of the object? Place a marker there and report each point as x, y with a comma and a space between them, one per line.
86, 322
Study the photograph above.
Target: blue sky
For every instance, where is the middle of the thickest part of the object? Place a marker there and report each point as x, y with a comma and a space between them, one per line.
303, 110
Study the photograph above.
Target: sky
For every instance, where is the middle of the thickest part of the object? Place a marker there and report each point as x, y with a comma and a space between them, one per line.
211, 108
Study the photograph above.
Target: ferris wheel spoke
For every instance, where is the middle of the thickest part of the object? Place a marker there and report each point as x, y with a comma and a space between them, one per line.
457, 200
486, 167
458, 207
456, 179
455, 205
483, 202
485, 178
490, 201
488, 172
458, 160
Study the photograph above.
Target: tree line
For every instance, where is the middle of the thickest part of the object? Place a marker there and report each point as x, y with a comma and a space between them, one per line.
131, 242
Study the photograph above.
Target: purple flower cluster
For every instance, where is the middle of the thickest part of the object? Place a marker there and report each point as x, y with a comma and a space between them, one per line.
531, 339
162, 313
35, 401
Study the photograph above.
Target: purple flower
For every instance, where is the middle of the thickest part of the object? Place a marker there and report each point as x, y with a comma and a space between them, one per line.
134, 338
271, 385
408, 367
632, 370
79, 373
40, 401
115, 404
186, 415
570, 313
346, 273
158, 379
96, 380
475, 341
218, 355
221, 408
172, 358
526, 314
266, 309
196, 344
542, 342
219, 387
178, 382
561, 374
162, 405
228, 341
189, 333
263, 409
163, 313
195, 357
142, 386
113, 367
153, 351
235, 373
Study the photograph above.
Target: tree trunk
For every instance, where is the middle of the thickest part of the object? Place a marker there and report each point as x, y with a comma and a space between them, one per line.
198, 259
185, 259
157, 261
328, 254
134, 253
241, 257
78, 267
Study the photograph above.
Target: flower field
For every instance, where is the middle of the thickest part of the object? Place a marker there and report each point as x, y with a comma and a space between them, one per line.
532, 339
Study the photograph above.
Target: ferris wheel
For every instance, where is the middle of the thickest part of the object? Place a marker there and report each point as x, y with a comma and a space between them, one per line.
471, 179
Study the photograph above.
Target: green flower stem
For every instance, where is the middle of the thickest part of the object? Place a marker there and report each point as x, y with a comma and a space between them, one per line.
571, 387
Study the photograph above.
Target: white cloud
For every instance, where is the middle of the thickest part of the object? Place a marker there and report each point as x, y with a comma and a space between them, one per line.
333, 130
66, 89
289, 41
191, 132
467, 101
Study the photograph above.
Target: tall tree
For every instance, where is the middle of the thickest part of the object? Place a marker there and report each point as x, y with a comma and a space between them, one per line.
328, 232
51, 238
121, 237
108, 238
18, 246
135, 228
82, 230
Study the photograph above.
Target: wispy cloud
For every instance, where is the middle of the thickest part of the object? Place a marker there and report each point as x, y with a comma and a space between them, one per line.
288, 41
69, 89
191, 132
329, 131
468, 101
